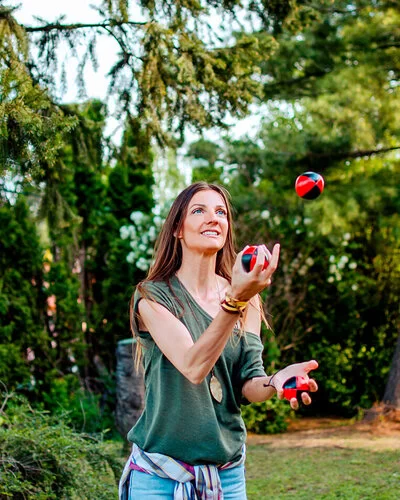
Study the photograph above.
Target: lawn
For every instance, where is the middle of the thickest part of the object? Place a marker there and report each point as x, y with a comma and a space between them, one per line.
347, 462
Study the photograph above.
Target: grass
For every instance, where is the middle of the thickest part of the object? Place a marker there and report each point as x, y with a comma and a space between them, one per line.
322, 473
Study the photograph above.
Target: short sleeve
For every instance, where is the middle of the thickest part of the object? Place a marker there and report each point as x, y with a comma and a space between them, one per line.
157, 291
251, 363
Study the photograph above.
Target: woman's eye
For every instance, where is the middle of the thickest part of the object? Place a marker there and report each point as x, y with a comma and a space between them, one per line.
220, 211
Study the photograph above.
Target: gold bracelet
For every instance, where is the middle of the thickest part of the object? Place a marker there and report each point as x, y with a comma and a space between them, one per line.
230, 304
229, 309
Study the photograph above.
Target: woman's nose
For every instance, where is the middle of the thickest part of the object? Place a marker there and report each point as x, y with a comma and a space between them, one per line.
211, 216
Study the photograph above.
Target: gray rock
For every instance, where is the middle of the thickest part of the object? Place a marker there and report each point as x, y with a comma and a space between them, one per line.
129, 387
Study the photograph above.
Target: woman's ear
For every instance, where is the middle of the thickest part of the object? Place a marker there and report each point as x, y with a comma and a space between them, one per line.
176, 235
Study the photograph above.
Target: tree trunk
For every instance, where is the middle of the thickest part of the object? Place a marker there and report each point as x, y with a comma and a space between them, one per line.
392, 391
129, 388
389, 409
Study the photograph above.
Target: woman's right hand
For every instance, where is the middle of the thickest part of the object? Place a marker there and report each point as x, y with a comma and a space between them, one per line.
244, 284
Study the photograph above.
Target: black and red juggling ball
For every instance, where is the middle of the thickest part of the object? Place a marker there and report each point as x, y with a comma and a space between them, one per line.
294, 386
249, 258
309, 185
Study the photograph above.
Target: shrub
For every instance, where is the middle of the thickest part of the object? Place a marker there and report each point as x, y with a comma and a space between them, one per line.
81, 409
43, 458
268, 417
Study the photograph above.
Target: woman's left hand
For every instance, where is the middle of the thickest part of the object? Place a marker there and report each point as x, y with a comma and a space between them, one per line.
296, 370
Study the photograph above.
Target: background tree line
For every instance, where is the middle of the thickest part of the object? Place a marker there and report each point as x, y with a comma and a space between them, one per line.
79, 213
332, 100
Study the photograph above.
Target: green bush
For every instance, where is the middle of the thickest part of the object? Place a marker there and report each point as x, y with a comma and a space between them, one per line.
21, 297
81, 409
268, 417
42, 458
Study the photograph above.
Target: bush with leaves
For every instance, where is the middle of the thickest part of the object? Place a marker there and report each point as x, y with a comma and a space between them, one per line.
21, 295
80, 408
269, 417
42, 458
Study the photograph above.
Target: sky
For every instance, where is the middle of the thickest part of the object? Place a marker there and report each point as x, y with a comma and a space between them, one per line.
96, 81
75, 11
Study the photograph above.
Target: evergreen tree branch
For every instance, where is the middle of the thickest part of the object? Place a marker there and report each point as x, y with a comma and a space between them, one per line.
335, 10
342, 155
295, 81
75, 26
275, 87
387, 46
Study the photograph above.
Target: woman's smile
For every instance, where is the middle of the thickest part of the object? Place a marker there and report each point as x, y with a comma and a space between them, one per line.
209, 233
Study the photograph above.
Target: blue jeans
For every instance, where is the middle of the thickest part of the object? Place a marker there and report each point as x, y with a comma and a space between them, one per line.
147, 487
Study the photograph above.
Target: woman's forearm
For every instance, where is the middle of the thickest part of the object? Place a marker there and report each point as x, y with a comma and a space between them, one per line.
257, 389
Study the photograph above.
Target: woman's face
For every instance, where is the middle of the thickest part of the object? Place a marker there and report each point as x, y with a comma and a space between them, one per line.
205, 226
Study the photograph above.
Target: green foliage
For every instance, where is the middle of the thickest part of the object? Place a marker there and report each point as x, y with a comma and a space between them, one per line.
21, 296
335, 295
354, 36
14, 370
73, 303
268, 417
31, 127
332, 299
79, 408
43, 458
64, 319
182, 63
205, 165
129, 188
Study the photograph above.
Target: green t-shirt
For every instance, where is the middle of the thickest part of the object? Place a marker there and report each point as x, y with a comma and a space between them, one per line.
181, 419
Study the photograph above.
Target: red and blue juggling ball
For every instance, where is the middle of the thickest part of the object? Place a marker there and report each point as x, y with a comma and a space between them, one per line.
249, 258
309, 185
294, 386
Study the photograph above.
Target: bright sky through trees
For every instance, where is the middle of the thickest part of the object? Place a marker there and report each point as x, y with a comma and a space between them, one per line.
96, 81
75, 11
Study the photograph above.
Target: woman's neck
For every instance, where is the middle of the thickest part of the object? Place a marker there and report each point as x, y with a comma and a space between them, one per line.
198, 276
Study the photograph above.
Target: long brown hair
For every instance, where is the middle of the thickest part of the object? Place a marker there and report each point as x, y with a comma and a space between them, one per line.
167, 256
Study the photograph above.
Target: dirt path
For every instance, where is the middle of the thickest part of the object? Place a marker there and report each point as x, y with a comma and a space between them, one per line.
334, 433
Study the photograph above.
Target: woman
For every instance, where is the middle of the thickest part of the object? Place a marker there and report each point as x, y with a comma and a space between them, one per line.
197, 318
